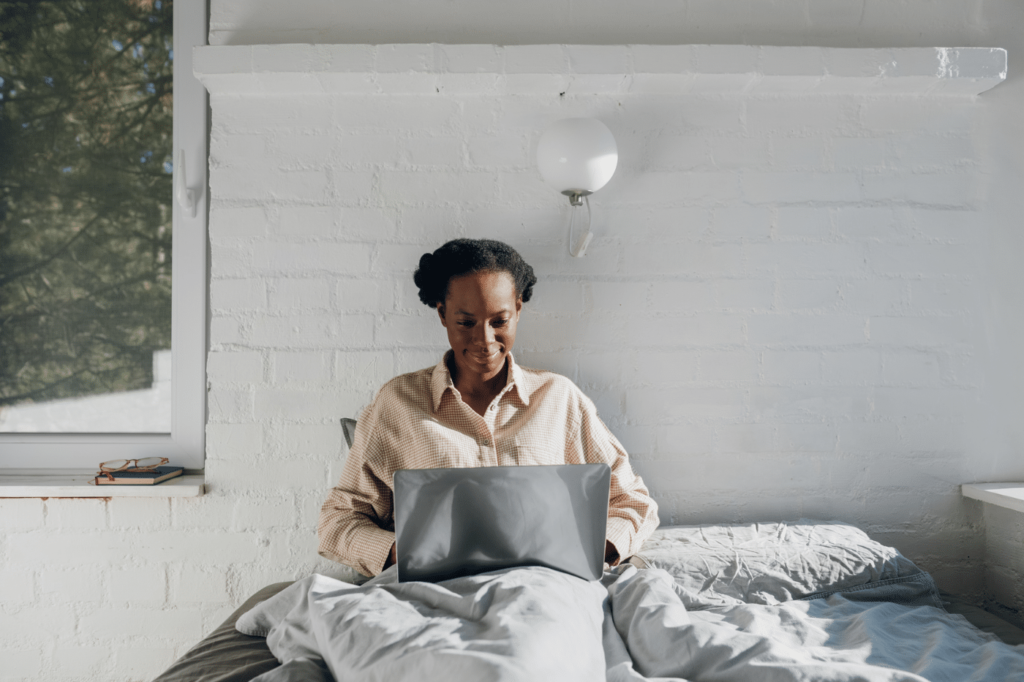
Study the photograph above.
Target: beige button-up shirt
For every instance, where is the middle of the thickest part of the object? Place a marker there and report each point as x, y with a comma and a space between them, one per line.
419, 421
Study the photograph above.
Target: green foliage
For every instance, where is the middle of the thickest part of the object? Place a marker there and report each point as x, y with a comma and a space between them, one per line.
85, 192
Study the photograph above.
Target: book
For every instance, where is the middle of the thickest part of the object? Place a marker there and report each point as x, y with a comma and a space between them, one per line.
157, 475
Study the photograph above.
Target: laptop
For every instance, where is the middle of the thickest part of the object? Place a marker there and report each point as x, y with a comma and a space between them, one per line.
457, 522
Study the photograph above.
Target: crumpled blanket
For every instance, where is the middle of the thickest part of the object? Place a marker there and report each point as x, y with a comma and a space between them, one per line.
632, 626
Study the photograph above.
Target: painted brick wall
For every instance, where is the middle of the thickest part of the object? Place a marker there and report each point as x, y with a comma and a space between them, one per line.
778, 316
1004, 562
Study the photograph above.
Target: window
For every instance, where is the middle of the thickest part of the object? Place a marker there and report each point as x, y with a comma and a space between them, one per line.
140, 297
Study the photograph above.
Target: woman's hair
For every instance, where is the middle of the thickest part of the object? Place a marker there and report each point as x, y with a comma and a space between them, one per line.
464, 256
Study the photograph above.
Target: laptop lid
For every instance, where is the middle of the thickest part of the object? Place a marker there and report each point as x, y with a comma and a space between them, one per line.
456, 522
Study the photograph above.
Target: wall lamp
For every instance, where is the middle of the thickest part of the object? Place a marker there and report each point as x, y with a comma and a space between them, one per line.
577, 156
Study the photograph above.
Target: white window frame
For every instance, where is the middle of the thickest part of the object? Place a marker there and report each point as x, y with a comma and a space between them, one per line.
185, 445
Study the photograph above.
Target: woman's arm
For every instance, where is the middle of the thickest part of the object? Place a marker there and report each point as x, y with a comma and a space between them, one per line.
632, 514
349, 529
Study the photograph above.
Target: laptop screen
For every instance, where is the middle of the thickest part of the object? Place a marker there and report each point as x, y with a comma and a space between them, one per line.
455, 522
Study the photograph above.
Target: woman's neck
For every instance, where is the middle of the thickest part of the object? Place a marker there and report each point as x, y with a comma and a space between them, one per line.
474, 388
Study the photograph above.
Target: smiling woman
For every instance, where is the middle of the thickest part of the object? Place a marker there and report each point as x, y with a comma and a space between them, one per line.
475, 408
478, 288
480, 313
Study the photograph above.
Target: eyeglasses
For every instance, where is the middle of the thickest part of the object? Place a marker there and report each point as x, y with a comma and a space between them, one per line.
114, 466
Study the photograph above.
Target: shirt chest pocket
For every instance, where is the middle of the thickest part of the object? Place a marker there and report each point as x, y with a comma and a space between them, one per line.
537, 451
436, 446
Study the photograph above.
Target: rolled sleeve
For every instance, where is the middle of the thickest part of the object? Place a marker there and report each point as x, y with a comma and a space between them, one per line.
351, 528
355, 542
632, 513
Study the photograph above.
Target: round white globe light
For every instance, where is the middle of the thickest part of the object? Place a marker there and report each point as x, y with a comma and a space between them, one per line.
577, 156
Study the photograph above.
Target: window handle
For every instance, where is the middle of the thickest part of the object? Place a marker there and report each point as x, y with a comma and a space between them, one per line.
186, 197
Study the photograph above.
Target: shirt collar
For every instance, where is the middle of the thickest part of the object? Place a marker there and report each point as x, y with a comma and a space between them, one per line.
441, 381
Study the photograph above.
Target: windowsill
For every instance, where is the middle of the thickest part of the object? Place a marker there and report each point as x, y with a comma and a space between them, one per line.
1007, 495
77, 485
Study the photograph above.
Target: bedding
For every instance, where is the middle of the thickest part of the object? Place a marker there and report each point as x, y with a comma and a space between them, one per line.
770, 563
786, 602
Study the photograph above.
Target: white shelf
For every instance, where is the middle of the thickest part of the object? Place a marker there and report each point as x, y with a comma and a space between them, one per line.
429, 69
77, 485
1008, 495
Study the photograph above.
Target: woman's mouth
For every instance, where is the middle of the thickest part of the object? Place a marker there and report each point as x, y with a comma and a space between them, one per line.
485, 357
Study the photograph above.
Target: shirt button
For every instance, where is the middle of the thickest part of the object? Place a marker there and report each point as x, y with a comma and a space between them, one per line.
485, 441
492, 408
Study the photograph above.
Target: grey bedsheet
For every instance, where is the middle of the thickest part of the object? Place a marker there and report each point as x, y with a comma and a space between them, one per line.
818, 639
982, 619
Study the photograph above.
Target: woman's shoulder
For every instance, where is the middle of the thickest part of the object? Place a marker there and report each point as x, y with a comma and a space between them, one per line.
404, 391
414, 383
550, 384
545, 376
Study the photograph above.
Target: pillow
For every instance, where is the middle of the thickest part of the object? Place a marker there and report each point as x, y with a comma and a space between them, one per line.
770, 563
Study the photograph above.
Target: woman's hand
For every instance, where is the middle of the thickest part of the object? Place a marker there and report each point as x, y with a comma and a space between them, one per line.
611, 555
392, 556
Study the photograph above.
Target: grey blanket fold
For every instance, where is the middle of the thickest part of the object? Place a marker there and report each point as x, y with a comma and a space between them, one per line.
632, 626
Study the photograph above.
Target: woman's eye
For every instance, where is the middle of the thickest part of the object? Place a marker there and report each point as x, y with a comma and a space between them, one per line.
465, 323
499, 323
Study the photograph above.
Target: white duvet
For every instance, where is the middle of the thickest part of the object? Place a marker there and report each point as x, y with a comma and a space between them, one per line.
770, 602
539, 624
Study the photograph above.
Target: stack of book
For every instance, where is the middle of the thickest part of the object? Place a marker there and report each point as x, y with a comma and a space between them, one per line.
157, 475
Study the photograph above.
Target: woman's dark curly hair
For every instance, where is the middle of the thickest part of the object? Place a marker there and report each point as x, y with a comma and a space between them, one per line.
464, 256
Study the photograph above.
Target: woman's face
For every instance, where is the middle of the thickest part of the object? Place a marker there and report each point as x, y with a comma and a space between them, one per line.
480, 315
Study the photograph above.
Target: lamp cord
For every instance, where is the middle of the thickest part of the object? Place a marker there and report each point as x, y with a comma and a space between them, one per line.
578, 249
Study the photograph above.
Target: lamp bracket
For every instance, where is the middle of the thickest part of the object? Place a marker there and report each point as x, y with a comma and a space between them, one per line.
576, 196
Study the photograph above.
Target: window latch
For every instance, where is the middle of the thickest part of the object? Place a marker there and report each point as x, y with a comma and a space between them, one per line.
186, 197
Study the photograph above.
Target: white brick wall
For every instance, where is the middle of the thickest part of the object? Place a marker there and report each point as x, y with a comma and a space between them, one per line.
784, 289
777, 317
1004, 559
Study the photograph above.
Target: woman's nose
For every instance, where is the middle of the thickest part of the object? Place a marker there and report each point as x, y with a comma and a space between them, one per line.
486, 337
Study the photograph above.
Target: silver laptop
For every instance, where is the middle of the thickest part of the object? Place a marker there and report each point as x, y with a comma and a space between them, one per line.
456, 522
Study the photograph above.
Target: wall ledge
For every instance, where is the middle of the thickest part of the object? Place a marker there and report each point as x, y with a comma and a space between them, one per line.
77, 485
1007, 495
591, 69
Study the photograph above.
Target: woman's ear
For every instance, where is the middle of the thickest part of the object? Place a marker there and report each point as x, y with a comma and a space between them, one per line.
440, 313
519, 306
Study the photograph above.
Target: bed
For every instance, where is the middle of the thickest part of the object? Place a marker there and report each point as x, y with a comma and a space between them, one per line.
797, 601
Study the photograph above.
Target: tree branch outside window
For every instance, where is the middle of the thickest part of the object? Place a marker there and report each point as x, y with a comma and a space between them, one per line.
85, 195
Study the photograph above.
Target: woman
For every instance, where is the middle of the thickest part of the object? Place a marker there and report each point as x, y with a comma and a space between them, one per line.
476, 407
